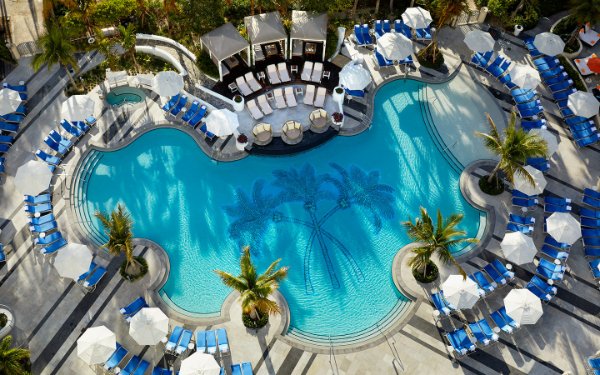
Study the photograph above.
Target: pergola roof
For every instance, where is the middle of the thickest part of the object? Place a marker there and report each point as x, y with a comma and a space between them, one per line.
308, 25
264, 28
224, 41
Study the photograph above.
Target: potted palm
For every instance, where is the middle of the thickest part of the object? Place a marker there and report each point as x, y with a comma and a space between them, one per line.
238, 103
13, 361
241, 142
430, 240
255, 289
7, 321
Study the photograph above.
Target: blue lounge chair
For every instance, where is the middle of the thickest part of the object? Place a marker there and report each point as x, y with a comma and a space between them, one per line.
366, 32
582, 126
554, 252
186, 339
590, 223
586, 212
521, 220
130, 366
591, 241
247, 368
440, 303
387, 27
201, 341
512, 227
39, 208
191, 112
12, 117
530, 94
408, 60
355, 93
134, 307
403, 29
592, 202
54, 247
382, 61
95, 278
50, 159
524, 202
483, 281
142, 367
539, 293
460, 341
378, 28
594, 267
560, 86
530, 112
423, 34
42, 228
222, 340
551, 208
529, 106
8, 139
211, 342
4, 148
182, 102
2, 254
591, 193
47, 240
551, 266
174, 338
507, 318
552, 75
204, 131
478, 60
161, 371
236, 369
590, 232
91, 120
543, 286
171, 103
500, 322
541, 164
21, 110
49, 217
358, 36
84, 275
60, 139
115, 358
71, 129
81, 125
560, 79
501, 268
494, 275
586, 141
578, 121
594, 364
484, 336
41, 198
194, 121
561, 95
55, 145
549, 274
13, 128
591, 251
557, 201
549, 240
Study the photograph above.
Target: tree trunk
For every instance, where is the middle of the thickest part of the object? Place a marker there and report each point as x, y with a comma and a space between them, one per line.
70, 76
391, 6
425, 270
354, 7
254, 314
494, 173
251, 7
377, 6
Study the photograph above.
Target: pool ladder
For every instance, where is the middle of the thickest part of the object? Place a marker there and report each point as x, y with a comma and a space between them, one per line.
396, 362
332, 360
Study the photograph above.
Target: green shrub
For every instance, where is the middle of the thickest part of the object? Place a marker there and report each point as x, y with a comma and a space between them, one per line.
206, 65
573, 74
430, 276
528, 16
111, 12
495, 187
255, 324
565, 27
142, 273
481, 3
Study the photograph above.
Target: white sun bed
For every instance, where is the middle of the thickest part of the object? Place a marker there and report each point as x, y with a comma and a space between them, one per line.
252, 82
254, 111
273, 76
589, 36
582, 65
307, 71
243, 86
317, 72
309, 95
320, 99
279, 100
290, 98
264, 105
283, 72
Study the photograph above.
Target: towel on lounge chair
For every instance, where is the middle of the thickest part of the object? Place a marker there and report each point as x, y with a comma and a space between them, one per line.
184, 342
187, 116
211, 342
222, 340
201, 341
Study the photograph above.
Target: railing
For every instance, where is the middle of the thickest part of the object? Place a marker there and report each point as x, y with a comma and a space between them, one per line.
157, 38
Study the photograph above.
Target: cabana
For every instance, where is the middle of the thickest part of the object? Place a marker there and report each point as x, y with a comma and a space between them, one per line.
267, 36
226, 47
308, 35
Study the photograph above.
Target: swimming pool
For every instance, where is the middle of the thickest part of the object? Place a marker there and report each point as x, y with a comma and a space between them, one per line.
125, 94
332, 214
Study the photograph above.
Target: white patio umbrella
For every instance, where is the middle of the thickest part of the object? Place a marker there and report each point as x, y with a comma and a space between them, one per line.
199, 364
583, 104
77, 108
354, 76
394, 46
9, 101
73, 260
479, 41
459, 292
523, 306
416, 17
33, 177
96, 344
518, 248
551, 139
222, 122
167, 83
549, 44
525, 76
524, 185
563, 227
149, 326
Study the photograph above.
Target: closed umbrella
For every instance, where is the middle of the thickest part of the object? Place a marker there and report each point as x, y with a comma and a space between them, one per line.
149, 326
33, 177
77, 108
199, 364
73, 260
563, 227
524, 185
549, 44
594, 64
525, 76
96, 344
518, 248
167, 83
416, 17
523, 306
460, 293
394, 46
354, 76
583, 104
221, 122
551, 139
479, 41
9, 101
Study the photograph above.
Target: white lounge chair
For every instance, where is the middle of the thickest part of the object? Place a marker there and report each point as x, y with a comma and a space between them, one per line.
273, 76
307, 71
309, 95
317, 72
290, 98
588, 35
582, 66
252, 82
279, 101
283, 72
254, 111
243, 87
320, 99
264, 105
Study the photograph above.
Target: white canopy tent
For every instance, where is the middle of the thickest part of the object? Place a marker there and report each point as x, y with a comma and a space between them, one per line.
224, 42
307, 27
265, 29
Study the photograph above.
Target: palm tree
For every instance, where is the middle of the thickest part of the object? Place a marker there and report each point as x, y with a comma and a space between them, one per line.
56, 49
445, 11
513, 150
255, 289
13, 361
435, 240
128, 41
117, 227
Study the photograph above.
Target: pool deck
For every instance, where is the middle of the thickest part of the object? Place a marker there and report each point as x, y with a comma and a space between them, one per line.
51, 313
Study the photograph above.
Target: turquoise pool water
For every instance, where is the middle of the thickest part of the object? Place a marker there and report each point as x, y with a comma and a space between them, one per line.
332, 214
125, 94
